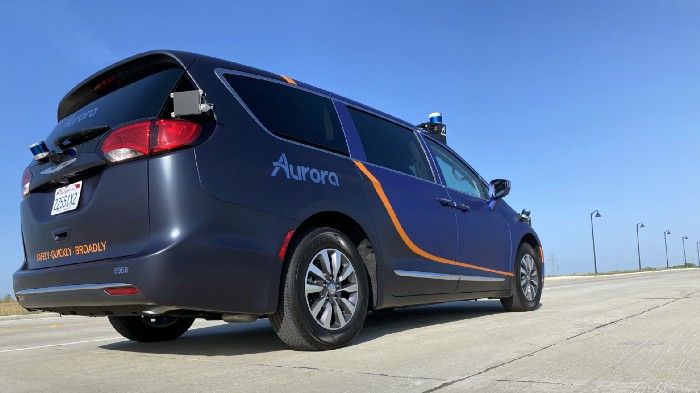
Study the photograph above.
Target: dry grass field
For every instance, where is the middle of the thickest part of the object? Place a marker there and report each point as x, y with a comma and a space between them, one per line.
11, 307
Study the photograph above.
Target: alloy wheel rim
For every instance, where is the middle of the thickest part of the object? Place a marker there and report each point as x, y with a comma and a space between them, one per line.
331, 289
529, 279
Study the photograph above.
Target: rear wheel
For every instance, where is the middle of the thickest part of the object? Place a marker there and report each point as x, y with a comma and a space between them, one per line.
151, 329
527, 281
325, 293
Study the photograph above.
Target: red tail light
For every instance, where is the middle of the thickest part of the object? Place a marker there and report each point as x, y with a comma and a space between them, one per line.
129, 141
174, 133
148, 137
26, 179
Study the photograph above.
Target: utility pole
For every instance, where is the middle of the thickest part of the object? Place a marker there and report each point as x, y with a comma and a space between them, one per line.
666, 244
639, 255
595, 261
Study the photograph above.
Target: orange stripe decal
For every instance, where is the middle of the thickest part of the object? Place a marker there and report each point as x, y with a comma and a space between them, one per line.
404, 236
289, 80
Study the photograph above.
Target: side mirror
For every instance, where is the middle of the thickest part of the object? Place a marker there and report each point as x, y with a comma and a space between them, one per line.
499, 188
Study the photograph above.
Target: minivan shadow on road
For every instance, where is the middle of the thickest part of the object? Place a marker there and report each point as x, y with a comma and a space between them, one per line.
258, 337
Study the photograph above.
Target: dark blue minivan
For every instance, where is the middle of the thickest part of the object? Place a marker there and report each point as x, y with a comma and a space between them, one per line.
178, 186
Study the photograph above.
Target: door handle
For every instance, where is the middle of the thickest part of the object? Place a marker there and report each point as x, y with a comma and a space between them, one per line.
444, 201
456, 205
462, 207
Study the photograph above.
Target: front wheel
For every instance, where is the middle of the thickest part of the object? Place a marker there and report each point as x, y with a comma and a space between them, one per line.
325, 293
151, 329
527, 281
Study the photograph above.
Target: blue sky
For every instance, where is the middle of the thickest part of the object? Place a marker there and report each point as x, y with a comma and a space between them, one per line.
583, 105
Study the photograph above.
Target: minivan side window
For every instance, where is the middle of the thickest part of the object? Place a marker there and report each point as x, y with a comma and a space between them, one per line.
390, 145
457, 175
291, 112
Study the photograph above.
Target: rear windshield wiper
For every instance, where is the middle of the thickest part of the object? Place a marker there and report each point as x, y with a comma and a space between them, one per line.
79, 137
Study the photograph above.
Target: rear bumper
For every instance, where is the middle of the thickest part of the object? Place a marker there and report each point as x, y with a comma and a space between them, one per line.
84, 296
206, 271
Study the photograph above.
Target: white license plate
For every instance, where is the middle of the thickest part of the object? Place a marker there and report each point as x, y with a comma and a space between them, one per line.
66, 198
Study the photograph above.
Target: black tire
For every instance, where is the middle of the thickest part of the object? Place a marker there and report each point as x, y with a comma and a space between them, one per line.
519, 301
151, 329
293, 321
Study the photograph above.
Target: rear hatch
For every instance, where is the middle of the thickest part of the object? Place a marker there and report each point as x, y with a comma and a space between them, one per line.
111, 218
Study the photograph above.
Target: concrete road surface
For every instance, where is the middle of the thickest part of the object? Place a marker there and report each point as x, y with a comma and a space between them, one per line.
631, 333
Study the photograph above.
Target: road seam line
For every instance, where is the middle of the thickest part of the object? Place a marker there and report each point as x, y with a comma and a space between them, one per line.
346, 371
533, 381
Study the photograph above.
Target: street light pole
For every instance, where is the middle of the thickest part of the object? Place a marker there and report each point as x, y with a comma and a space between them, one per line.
685, 259
639, 255
595, 261
697, 245
666, 245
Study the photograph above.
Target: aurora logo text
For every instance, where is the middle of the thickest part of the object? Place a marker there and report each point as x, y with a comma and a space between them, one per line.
303, 173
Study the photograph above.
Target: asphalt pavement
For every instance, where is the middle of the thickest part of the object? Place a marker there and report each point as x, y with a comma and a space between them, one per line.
622, 333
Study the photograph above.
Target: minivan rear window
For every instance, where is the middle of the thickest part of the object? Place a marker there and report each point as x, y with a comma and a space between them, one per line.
291, 112
144, 98
389, 145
